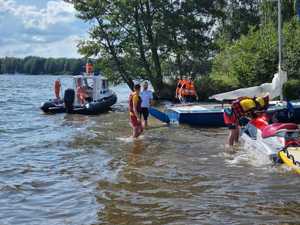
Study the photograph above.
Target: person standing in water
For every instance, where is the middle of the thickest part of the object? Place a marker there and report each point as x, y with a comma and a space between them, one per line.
147, 97
135, 110
242, 107
57, 88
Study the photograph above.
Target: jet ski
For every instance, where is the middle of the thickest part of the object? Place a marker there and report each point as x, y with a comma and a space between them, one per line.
278, 141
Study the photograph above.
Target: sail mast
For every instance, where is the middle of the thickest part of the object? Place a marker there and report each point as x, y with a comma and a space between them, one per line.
279, 42
279, 36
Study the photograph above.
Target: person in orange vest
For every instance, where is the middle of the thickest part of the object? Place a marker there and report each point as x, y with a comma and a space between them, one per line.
81, 92
242, 107
135, 110
181, 91
191, 90
187, 91
57, 87
178, 87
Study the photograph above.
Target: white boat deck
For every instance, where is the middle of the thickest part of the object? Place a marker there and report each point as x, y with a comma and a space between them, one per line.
200, 108
213, 108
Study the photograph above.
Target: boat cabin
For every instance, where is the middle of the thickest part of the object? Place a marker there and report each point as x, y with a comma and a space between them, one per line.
96, 87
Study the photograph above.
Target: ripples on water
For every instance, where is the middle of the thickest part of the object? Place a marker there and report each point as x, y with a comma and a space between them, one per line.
73, 169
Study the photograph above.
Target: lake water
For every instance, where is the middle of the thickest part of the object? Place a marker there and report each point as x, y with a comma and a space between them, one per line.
75, 169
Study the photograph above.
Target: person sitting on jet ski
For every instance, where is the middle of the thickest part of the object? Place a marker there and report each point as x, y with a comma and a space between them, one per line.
242, 107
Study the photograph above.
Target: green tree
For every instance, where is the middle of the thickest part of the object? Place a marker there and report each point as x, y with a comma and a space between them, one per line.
253, 59
8, 65
239, 16
149, 39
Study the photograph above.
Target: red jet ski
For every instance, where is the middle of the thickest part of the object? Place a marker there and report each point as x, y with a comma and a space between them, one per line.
279, 141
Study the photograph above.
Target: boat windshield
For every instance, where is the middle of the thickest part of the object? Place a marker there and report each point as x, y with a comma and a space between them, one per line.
104, 84
88, 83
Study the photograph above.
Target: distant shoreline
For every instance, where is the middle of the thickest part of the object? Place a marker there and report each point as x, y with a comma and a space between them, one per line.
33, 65
23, 74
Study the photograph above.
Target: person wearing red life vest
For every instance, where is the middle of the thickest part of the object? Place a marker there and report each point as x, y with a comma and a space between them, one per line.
242, 107
135, 110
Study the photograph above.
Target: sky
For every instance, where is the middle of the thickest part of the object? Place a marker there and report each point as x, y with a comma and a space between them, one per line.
46, 28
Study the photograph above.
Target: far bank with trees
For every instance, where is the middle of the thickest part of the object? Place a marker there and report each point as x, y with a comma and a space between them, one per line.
37, 65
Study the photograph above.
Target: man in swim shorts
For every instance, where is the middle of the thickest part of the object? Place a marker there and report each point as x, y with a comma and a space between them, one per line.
134, 111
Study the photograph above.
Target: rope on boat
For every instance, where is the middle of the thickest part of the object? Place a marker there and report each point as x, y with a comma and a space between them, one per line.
290, 156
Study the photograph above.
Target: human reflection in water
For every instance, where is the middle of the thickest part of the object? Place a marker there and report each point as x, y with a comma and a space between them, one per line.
134, 155
75, 119
118, 197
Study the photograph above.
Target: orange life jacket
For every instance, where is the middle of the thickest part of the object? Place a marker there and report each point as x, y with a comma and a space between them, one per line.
184, 91
89, 68
229, 117
57, 86
130, 103
191, 88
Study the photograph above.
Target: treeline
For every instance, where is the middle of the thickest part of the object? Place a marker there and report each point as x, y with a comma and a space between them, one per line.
37, 65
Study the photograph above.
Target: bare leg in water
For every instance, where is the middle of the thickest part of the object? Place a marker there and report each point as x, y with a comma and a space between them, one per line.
137, 130
231, 137
236, 134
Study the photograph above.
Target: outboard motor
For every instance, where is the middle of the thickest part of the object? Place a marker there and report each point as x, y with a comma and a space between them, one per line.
69, 98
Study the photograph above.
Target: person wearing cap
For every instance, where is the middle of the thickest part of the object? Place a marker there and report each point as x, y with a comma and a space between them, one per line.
135, 110
147, 97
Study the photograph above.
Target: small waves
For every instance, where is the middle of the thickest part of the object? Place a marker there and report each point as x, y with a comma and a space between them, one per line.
74, 169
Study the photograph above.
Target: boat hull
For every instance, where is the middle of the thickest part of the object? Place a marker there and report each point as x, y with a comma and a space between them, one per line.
210, 119
196, 115
92, 108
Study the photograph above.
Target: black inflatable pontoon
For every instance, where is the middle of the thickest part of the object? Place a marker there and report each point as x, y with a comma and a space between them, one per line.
99, 98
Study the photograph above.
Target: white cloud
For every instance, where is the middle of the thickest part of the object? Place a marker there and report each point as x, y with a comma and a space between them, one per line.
51, 29
61, 48
34, 17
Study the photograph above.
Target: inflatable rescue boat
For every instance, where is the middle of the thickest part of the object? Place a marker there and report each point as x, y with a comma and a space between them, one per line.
90, 95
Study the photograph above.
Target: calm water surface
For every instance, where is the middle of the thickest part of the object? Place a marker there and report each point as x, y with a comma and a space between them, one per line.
74, 169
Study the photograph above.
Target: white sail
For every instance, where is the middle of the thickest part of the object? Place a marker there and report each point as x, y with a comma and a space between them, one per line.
272, 89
